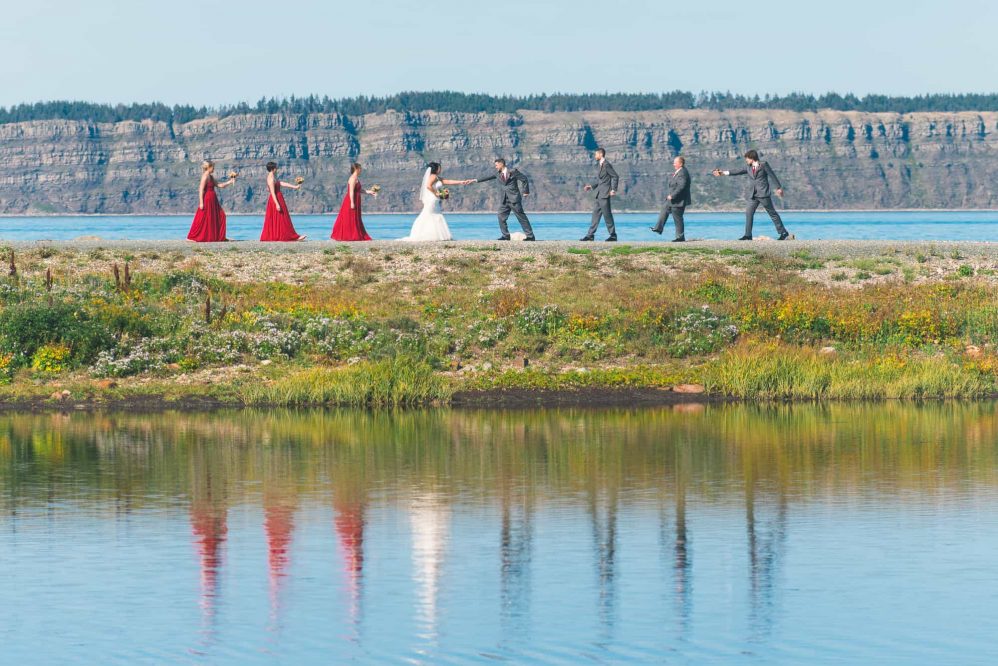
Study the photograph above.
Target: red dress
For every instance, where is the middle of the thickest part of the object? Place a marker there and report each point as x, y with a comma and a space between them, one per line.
209, 221
349, 224
277, 226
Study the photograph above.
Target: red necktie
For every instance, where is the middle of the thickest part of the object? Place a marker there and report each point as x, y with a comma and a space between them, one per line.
753, 170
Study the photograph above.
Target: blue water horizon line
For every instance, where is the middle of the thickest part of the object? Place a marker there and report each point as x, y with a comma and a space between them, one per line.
918, 225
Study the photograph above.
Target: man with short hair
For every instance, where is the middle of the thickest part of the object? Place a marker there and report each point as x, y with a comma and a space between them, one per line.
760, 193
605, 187
509, 181
677, 200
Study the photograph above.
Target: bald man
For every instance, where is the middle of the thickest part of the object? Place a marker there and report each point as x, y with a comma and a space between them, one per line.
677, 200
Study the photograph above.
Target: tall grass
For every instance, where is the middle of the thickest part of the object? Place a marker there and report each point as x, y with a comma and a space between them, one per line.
780, 372
395, 382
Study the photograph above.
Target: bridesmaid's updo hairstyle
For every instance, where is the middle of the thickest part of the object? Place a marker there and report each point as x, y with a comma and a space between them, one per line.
207, 164
434, 167
354, 167
271, 166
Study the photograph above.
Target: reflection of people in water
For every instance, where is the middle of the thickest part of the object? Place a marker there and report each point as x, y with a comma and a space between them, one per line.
515, 542
765, 553
350, 531
279, 524
209, 526
430, 521
605, 545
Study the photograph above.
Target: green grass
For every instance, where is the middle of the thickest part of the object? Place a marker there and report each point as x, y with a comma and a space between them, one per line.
397, 382
788, 373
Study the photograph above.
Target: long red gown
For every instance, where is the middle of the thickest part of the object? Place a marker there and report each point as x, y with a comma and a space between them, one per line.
277, 226
349, 225
209, 221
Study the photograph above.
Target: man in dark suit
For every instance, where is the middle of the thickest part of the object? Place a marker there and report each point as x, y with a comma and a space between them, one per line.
509, 181
678, 200
605, 187
760, 193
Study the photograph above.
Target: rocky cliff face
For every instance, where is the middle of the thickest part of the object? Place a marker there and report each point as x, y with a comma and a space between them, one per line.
826, 159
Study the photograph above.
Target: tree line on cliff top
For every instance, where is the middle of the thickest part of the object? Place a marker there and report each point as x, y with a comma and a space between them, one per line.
455, 102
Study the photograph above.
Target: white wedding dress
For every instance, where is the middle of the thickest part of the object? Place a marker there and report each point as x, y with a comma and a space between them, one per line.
431, 224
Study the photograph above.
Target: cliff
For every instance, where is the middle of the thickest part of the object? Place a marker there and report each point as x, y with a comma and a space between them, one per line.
826, 159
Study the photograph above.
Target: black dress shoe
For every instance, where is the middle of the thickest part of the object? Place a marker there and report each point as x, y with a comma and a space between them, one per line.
529, 239
611, 239
745, 238
679, 239
785, 235
587, 239
657, 231
502, 238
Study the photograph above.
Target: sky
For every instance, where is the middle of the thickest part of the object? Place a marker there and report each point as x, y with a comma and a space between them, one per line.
212, 53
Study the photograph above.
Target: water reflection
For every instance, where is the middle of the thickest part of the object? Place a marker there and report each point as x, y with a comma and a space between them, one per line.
570, 534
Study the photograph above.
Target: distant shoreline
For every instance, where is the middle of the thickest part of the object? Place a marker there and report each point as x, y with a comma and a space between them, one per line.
703, 211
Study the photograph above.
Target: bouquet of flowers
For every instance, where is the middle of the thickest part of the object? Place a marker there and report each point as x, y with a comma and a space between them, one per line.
233, 175
376, 189
299, 180
443, 194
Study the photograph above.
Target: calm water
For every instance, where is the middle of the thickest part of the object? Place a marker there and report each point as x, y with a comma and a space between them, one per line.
965, 226
855, 534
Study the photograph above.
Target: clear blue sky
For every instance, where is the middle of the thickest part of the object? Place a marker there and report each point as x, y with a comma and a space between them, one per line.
224, 52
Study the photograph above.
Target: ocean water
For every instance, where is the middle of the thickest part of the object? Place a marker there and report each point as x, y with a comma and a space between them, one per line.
925, 226
857, 534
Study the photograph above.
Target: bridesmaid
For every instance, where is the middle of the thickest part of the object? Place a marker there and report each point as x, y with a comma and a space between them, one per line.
349, 224
277, 221
209, 221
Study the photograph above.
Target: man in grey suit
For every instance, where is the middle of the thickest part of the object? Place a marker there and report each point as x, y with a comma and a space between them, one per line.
605, 187
760, 193
509, 181
678, 200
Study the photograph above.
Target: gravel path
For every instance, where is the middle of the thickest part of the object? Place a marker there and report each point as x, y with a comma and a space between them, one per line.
817, 248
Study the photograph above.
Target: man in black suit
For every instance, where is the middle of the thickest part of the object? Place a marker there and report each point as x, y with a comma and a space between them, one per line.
605, 187
760, 193
678, 200
512, 198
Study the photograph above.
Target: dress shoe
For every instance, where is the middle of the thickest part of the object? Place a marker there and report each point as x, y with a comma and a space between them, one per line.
529, 239
502, 238
745, 238
679, 239
657, 231
587, 239
785, 235
611, 239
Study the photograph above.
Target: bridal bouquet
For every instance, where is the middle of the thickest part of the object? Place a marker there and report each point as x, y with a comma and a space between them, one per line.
233, 174
299, 180
444, 194
376, 189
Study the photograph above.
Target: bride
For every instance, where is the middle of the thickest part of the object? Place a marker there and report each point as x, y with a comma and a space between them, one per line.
431, 225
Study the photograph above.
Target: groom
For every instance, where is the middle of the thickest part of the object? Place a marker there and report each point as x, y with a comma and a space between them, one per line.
509, 181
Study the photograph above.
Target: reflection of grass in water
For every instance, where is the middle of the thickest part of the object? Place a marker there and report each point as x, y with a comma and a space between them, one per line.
230, 457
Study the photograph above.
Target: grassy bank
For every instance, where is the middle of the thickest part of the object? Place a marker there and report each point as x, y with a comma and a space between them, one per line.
417, 325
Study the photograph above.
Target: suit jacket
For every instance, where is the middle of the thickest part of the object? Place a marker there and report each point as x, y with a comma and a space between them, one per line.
759, 181
510, 188
679, 188
606, 181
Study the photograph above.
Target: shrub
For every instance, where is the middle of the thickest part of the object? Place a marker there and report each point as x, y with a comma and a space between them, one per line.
7, 368
51, 358
699, 331
544, 320
26, 327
